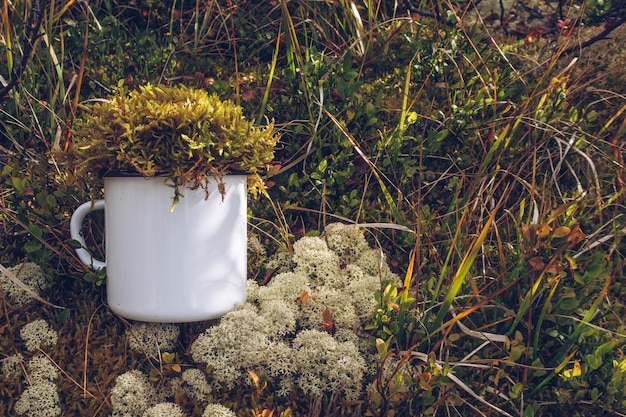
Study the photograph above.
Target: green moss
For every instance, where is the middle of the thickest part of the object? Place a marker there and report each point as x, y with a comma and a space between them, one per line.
178, 132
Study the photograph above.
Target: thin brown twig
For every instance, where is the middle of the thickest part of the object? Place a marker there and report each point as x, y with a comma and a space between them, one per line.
66, 374
610, 27
85, 390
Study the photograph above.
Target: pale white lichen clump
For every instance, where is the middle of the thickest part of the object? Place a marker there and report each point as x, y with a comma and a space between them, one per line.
314, 351
217, 410
346, 241
278, 333
287, 286
152, 339
372, 262
196, 385
30, 274
41, 369
40, 398
11, 364
239, 343
132, 394
314, 260
280, 262
164, 410
38, 334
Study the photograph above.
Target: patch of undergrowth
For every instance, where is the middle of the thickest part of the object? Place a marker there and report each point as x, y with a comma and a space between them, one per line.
298, 342
497, 169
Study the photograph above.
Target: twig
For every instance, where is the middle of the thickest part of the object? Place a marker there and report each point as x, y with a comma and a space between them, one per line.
68, 376
10, 275
86, 360
610, 27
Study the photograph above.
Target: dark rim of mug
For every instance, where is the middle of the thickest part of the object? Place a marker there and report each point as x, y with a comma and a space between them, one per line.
134, 174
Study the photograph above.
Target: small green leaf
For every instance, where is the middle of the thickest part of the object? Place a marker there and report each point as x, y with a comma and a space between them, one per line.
35, 231
592, 116
594, 361
168, 357
516, 390
32, 247
569, 304
52, 201
605, 348
516, 353
594, 394
411, 117
75, 244
342, 88
394, 327
453, 337
573, 115
63, 316
18, 184
350, 74
382, 346
353, 87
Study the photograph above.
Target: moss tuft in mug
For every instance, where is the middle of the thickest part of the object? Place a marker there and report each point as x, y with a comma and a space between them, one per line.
181, 133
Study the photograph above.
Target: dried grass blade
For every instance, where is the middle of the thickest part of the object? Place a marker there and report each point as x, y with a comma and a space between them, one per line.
462, 271
25, 287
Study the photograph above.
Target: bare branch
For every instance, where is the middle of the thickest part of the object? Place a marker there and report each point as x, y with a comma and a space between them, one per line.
608, 28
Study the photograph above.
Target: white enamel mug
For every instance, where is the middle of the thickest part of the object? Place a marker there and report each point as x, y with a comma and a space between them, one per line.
170, 267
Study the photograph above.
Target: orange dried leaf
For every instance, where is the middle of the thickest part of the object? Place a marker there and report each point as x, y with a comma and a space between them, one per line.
328, 323
543, 231
274, 169
424, 381
561, 231
255, 378
302, 298
575, 235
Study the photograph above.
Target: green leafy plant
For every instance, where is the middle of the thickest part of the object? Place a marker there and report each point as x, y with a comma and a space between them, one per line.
178, 132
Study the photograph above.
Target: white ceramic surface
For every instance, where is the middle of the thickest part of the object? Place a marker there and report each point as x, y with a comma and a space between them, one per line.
187, 265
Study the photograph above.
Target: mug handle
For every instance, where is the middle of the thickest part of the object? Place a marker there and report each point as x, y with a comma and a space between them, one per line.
76, 224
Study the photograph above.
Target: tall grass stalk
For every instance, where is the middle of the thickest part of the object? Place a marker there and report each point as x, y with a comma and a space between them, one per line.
270, 78
375, 170
462, 272
8, 42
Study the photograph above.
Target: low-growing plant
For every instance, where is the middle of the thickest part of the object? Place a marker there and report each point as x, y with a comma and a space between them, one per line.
180, 133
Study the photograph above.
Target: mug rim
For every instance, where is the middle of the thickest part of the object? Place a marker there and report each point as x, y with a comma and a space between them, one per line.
135, 174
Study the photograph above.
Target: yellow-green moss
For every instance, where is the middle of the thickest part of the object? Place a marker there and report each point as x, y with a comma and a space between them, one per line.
179, 132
